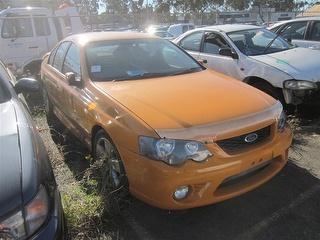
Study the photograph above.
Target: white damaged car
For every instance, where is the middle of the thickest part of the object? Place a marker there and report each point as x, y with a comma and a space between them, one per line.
258, 57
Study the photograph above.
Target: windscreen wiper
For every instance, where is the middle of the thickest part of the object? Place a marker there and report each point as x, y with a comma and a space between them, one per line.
270, 44
140, 76
186, 71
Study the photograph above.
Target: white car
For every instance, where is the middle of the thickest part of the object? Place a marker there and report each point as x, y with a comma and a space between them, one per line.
177, 29
258, 57
303, 32
28, 33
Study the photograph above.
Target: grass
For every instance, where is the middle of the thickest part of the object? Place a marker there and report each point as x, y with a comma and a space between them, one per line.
81, 208
84, 206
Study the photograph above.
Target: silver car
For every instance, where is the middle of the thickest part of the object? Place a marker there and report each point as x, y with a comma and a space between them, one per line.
303, 32
258, 57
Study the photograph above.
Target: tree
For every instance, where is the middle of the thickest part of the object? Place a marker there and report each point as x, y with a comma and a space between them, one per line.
116, 6
238, 4
279, 5
87, 7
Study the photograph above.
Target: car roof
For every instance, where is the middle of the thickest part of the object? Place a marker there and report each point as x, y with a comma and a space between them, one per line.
230, 27
299, 19
84, 38
182, 24
31, 10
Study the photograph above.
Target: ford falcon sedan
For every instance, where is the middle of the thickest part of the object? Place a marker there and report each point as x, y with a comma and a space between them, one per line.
175, 134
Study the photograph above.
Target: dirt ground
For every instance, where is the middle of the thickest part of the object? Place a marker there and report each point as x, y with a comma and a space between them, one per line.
287, 207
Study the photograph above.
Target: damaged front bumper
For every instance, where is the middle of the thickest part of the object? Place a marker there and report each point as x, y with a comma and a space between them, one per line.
298, 96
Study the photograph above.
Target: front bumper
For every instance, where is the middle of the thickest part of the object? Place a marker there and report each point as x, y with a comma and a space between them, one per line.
54, 228
297, 97
218, 179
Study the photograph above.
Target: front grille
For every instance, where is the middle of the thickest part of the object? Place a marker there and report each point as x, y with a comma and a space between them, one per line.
240, 143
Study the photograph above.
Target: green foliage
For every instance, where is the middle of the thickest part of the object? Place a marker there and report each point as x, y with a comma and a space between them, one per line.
238, 4
279, 5
79, 206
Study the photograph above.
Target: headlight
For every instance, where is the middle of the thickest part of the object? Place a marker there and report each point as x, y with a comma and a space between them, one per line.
299, 85
173, 152
36, 213
282, 121
13, 227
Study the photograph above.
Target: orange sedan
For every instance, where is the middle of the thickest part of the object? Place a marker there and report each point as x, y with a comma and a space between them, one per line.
178, 135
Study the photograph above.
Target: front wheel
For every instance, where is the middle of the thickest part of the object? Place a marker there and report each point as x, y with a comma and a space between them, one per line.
109, 172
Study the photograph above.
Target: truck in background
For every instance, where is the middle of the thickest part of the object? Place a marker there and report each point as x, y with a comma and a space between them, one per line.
28, 33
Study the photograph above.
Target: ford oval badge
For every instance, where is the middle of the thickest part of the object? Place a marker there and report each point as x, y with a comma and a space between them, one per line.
250, 138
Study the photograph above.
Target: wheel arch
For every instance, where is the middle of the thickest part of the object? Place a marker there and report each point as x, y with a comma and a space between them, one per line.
95, 129
254, 79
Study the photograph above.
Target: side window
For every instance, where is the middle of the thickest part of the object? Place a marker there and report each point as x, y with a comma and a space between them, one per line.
51, 57
185, 28
315, 35
295, 30
192, 42
72, 61
17, 27
213, 42
41, 25
60, 54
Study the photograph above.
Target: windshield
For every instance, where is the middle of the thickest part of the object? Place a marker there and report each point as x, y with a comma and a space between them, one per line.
259, 41
4, 93
137, 59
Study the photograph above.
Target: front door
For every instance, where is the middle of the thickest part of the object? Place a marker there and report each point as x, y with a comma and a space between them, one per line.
192, 44
314, 39
77, 102
212, 44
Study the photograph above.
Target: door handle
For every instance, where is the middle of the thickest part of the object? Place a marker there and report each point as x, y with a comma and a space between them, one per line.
33, 47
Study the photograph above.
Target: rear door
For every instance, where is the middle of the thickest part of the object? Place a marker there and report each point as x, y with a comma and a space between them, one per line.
314, 35
17, 40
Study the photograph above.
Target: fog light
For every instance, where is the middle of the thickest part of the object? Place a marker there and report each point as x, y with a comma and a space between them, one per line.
181, 192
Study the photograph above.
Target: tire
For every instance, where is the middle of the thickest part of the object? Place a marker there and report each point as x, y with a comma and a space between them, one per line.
109, 171
48, 106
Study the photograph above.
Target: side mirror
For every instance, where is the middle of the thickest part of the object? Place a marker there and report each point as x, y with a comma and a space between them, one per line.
228, 52
25, 85
203, 61
73, 80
